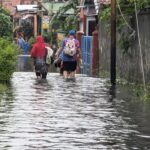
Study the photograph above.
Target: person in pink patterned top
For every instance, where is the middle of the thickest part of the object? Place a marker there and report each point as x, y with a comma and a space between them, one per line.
69, 57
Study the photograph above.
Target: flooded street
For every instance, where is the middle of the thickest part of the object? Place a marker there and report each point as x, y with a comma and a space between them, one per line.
54, 114
106, 43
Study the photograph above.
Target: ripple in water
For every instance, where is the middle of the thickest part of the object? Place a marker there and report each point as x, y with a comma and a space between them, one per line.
54, 114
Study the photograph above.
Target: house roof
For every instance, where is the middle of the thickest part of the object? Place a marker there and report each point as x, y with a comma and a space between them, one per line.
96, 3
54, 7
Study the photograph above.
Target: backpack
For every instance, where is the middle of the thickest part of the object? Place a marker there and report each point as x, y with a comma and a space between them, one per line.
70, 47
49, 55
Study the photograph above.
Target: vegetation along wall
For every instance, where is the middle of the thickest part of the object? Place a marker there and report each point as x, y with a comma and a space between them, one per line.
128, 49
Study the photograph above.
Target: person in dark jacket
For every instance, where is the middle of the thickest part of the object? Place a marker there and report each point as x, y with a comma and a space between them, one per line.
38, 52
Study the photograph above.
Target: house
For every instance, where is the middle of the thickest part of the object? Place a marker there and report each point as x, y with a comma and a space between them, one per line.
89, 10
88, 34
28, 18
22, 12
41, 15
11, 4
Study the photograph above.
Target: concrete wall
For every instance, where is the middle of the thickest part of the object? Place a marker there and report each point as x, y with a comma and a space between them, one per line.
128, 64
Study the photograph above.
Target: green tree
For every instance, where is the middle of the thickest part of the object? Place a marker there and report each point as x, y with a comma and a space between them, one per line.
70, 21
8, 50
125, 17
5, 24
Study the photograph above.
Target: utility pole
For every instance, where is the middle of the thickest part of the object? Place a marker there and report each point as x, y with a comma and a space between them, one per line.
113, 42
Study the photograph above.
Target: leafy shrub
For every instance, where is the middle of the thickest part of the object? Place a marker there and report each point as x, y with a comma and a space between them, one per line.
8, 59
4, 11
5, 25
50, 37
31, 41
47, 37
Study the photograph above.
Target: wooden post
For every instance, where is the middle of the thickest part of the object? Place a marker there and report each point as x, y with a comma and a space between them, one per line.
113, 42
95, 53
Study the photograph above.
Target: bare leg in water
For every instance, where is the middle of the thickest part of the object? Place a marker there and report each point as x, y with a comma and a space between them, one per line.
65, 73
69, 75
72, 74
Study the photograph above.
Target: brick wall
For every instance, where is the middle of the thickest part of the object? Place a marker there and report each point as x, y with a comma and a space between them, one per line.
26, 2
10, 5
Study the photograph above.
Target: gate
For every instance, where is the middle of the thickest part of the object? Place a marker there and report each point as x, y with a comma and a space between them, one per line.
86, 48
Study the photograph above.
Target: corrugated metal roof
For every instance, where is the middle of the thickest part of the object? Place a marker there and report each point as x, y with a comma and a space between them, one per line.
54, 7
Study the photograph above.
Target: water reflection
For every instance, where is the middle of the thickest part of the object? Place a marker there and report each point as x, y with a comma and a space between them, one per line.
6, 107
112, 92
24, 63
86, 114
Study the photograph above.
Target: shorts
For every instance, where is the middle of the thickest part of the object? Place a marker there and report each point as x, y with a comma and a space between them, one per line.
69, 65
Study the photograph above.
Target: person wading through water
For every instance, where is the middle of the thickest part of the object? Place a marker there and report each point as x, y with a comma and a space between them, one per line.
38, 53
70, 50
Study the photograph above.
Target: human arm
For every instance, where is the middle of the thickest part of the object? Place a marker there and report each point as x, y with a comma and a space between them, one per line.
58, 52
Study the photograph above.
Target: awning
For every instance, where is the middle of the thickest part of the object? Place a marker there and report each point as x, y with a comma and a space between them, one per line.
27, 7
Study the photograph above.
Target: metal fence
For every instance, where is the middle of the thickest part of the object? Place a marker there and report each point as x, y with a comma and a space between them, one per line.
86, 48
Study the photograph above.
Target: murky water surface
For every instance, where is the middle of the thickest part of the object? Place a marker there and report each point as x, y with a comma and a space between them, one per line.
54, 114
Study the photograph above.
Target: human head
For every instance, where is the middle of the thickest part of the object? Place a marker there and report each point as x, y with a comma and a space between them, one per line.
19, 34
39, 39
72, 33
